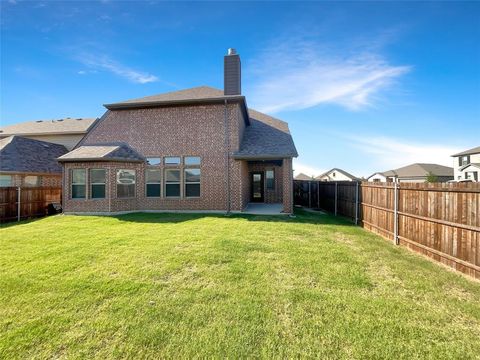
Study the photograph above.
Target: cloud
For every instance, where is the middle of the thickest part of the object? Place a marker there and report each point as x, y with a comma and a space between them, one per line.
301, 74
390, 153
301, 168
103, 62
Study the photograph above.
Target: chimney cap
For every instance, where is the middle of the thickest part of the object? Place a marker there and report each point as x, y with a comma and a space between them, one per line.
232, 51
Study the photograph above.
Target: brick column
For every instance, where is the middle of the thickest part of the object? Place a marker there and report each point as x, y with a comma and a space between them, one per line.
287, 186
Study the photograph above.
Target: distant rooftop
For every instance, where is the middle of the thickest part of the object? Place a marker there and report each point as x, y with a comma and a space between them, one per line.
106, 152
45, 127
475, 150
23, 155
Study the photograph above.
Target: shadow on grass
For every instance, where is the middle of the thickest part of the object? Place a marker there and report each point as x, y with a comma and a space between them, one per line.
301, 216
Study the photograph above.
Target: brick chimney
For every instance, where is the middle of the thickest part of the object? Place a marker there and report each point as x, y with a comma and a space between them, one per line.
232, 73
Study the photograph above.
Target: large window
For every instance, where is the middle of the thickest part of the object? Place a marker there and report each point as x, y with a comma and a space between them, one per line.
172, 183
192, 182
172, 160
126, 183
154, 161
464, 160
5, 180
97, 183
153, 182
270, 176
79, 184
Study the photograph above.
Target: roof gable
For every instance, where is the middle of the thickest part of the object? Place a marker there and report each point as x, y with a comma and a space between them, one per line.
103, 152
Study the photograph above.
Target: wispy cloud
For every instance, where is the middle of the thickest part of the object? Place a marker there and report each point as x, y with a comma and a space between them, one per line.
390, 153
105, 63
300, 74
302, 168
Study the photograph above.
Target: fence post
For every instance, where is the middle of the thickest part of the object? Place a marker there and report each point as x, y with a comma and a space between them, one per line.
336, 191
356, 204
18, 202
309, 194
318, 194
395, 213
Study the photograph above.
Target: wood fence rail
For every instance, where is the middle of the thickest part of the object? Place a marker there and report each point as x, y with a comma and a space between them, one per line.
26, 202
439, 220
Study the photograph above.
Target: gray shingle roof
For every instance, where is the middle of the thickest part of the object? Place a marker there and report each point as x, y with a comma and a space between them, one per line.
420, 170
266, 137
475, 150
19, 154
473, 164
103, 152
188, 95
44, 127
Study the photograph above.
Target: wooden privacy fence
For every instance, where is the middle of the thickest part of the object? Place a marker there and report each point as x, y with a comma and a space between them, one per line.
27, 202
439, 220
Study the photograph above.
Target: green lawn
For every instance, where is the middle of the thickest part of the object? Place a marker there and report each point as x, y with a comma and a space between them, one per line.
182, 286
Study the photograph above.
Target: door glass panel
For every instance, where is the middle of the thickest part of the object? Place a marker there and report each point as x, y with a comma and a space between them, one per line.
257, 186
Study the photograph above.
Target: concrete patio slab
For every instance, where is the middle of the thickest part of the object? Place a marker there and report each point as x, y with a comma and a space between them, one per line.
264, 209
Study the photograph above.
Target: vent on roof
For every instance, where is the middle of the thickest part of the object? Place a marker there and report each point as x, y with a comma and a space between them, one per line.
46, 146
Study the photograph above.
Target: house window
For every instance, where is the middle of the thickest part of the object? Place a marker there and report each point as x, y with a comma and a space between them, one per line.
172, 160
172, 183
270, 176
192, 182
192, 160
5, 180
31, 180
126, 183
79, 184
154, 161
153, 182
464, 160
97, 183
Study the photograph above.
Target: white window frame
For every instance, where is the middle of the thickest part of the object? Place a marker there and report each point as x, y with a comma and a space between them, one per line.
166, 171
153, 183
84, 184
92, 183
185, 182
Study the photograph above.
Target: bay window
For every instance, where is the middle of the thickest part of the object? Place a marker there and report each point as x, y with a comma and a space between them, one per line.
79, 183
97, 183
126, 183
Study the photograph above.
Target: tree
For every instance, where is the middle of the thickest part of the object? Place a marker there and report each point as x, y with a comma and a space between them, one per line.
431, 178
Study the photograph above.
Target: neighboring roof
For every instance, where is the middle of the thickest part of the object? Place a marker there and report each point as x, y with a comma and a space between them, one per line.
45, 127
266, 138
200, 94
302, 176
477, 165
418, 170
353, 177
104, 152
475, 150
23, 155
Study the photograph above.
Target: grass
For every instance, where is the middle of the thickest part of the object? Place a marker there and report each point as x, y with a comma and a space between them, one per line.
183, 286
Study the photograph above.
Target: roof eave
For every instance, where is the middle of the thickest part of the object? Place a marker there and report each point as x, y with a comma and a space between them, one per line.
146, 104
99, 159
263, 156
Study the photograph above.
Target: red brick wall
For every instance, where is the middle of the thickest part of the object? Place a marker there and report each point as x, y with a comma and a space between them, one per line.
197, 130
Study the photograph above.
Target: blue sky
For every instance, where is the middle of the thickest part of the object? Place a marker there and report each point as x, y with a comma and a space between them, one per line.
365, 86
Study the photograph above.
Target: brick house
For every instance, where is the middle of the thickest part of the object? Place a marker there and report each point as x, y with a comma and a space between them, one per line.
29, 162
199, 149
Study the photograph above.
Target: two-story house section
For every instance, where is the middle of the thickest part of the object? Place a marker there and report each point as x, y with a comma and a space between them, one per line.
195, 149
466, 164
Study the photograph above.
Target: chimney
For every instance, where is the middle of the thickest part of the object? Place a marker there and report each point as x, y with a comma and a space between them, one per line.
232, 73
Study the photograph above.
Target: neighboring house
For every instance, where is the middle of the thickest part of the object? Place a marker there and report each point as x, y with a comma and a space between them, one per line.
67, 132
28, 162
336, 175
303, 177
414, 173
190, 150
467, 164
